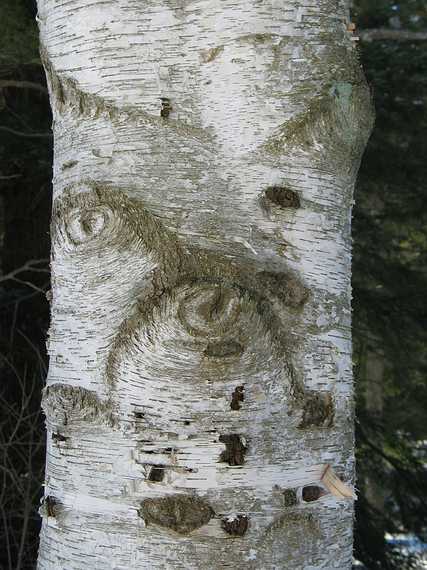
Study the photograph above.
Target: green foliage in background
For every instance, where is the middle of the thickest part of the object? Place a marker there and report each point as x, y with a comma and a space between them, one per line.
390, 283
18, 34
408, 14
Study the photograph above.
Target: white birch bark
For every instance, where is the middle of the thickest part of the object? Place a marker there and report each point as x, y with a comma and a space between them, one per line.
200, 351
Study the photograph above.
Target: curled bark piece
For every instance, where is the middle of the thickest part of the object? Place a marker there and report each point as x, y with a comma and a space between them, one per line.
335, 486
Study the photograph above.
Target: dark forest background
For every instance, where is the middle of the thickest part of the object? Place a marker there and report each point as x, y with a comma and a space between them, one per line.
389, 281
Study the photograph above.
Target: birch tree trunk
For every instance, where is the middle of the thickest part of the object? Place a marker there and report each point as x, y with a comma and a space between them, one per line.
199, 399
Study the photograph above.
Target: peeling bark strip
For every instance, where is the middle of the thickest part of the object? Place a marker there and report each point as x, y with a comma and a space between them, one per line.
335, 486
205, 155
180, 513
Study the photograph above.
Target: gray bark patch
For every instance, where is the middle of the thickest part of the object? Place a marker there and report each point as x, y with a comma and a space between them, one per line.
223, 349
64, 404
180, 513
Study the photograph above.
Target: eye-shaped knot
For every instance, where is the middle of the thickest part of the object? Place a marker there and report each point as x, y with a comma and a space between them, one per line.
86, 224
210, 309
88, 218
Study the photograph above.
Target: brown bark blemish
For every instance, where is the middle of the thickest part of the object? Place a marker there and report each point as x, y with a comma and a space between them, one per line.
237, 397
51, 506
318, 410
180, 513
283, 197
235, 526
156, 474
57, 437
285, 287
235, 449
166, 107
311, 493
211, 54
69, 164
223, 349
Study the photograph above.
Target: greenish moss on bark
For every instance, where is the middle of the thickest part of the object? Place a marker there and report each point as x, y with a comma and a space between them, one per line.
290, 498
180, 513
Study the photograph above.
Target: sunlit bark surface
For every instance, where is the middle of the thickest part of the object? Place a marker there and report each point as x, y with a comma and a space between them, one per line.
199, 397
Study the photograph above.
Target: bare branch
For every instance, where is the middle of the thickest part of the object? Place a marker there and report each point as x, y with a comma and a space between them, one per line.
30, 265
372, 34
10, 176
22, 85
27, 135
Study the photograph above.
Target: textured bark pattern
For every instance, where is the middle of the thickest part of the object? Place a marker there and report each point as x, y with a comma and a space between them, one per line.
200, 371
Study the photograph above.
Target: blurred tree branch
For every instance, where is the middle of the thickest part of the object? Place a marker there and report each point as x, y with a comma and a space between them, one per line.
373, 34
4, 83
